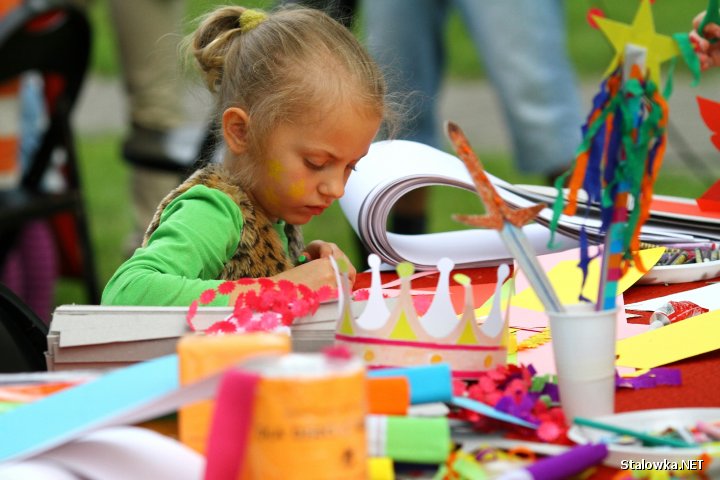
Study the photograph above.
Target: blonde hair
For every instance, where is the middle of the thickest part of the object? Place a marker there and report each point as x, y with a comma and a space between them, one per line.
280, 66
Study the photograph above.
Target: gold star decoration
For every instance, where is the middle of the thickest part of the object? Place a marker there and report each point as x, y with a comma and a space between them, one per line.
660, 48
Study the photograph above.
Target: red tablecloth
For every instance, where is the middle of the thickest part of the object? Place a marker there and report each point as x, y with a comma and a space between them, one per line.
700, 375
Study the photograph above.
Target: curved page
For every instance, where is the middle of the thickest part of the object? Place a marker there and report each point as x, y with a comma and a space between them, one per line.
393, 168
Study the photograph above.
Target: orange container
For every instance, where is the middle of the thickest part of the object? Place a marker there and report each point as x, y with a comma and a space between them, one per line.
302, 416
201, 356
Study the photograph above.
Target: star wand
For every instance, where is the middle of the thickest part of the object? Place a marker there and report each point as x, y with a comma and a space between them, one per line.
507, 221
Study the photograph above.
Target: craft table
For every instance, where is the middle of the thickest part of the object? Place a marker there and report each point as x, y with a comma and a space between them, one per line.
700, 385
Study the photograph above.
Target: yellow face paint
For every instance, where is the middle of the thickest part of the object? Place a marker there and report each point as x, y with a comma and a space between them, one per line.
275, 169
297, 189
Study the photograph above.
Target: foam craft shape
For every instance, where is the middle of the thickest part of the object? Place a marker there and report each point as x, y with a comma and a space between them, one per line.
388, 395
428, 383
401, 338
409, 439
710, 113
677, 341
660, 48
710, 200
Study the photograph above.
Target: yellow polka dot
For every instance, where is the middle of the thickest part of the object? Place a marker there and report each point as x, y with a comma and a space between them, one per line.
369, 356
436, 358
488, 361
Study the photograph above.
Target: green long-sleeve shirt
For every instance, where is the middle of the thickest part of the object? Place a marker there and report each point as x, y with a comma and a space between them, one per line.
198, 233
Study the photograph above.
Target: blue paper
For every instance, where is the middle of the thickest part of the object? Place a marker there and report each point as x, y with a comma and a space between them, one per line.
67, 414
488, 411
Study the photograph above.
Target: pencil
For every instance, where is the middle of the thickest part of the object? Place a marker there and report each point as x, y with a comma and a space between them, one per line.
645, 437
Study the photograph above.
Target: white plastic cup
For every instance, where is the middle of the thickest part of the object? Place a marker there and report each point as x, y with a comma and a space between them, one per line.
583, 341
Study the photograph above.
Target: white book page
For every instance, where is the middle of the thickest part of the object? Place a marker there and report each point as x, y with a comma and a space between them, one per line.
393, 168
117, 453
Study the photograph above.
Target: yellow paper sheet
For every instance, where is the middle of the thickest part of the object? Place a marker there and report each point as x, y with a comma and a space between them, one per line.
566, 279
677, 341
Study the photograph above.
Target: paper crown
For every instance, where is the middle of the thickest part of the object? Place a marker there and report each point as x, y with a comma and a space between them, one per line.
399, 337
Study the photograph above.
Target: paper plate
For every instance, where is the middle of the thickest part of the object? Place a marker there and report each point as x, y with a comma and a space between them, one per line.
690, 272
647, 421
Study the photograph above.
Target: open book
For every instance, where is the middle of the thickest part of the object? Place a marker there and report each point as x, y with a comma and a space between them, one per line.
393, 168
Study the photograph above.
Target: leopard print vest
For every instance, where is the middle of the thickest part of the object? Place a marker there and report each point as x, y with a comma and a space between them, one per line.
260, 251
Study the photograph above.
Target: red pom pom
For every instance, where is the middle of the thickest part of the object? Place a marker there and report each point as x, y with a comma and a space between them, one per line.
591, 14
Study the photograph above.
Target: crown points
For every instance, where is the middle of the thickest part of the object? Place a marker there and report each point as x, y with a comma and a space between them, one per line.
400, 338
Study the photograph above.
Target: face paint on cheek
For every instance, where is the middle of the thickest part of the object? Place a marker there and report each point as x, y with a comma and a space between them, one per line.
275, 169
297, 189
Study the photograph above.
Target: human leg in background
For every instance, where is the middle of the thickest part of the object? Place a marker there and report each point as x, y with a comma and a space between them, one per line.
406, 38
159, 144
31, 268
523, 46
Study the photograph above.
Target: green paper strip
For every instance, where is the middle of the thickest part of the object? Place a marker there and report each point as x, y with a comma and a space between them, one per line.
687, 52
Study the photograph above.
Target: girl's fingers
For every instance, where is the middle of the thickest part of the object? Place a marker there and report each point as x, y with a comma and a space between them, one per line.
698, 20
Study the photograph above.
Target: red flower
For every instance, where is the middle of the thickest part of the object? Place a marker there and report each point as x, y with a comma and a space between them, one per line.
339, 352
361, 294
325, 293
207, 296
242, 315
227, 288
221, 327
191, 314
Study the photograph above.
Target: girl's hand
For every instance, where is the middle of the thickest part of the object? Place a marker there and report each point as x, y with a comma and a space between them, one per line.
315, 274
318, 249
708, 53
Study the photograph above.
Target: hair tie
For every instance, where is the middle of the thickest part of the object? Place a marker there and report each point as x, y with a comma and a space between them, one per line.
250, 19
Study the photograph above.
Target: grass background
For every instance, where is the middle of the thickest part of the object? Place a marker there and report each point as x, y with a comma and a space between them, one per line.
106, 181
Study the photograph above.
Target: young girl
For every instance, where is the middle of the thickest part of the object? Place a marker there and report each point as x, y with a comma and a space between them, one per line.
299, 101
